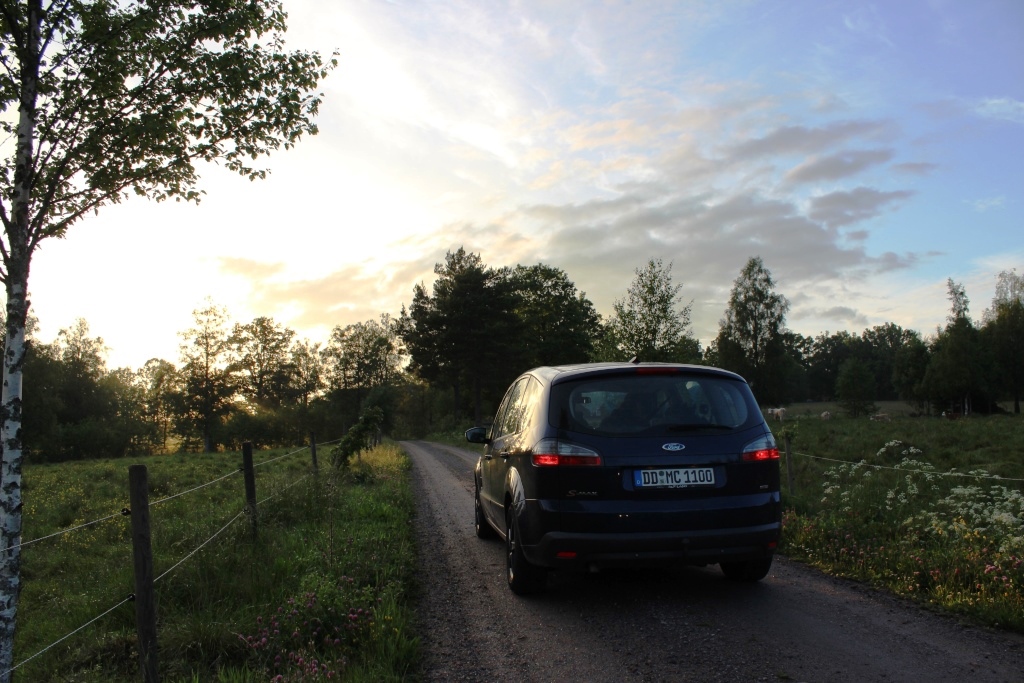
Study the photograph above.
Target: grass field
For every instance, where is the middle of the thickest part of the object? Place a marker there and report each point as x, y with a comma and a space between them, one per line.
326, 591
323, 593
928, 508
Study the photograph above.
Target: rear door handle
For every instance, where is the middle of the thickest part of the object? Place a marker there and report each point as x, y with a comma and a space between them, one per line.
504, 454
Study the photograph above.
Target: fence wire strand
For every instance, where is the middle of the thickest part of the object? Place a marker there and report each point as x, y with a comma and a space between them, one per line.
64, 531
200, 547
62, 639
278, 493
201, 486
270, 460
994, 477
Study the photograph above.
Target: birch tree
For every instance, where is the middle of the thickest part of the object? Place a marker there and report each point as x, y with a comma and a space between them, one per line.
750, 335
650, 323
102, 99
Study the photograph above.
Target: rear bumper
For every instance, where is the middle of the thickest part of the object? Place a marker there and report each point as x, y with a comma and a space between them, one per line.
607, 534
586, 551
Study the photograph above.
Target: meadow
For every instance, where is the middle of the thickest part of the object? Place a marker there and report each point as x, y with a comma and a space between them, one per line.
928, 508
323, 592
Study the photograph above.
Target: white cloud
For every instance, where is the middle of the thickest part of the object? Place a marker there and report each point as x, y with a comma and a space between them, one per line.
988, 203
1004, 108
590, 136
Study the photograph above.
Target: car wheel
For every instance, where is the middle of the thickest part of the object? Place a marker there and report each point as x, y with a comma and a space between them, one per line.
523, 578
483, 528
749, 570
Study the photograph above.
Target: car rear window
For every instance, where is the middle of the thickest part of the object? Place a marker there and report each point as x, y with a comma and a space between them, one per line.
622, 405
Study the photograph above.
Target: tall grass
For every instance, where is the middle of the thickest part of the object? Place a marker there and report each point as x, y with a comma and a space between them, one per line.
322, 593
933, 512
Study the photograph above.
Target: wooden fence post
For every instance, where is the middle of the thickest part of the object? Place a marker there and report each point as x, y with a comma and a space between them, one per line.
142, 552
789, 464
312, 449
250, 487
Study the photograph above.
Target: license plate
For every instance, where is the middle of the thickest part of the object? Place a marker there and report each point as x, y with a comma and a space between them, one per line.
674, 478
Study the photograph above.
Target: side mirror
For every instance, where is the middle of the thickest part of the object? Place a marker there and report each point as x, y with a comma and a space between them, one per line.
477, 435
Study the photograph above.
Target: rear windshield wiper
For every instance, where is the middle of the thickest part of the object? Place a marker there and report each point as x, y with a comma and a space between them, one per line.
692, 427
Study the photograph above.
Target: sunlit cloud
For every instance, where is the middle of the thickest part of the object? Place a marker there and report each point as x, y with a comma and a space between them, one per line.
593, 137
1002, 108
988, 203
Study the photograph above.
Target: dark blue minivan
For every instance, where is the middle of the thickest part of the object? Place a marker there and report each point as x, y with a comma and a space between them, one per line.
610, 464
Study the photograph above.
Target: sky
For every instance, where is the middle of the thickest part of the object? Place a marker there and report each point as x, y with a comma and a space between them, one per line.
866, 151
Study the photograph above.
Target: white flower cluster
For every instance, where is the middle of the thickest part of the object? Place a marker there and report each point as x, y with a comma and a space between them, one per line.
998, 513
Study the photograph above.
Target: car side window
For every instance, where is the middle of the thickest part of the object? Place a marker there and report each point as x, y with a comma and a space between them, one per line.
525, 407
506, 412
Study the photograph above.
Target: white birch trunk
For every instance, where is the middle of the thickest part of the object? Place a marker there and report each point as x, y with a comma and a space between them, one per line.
17, 258
10, 489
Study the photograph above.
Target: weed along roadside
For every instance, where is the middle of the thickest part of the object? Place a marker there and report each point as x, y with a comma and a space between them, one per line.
929, 509
324, 588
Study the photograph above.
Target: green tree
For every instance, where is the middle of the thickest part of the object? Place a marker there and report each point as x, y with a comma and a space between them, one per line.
357, 359
83, 403
649, 322
466, 332
855, 388
363, 355
207, 383
119, 98
42, 402
307, 371
882, 346
1004, 328
955, 379
125, 424
909, 368
750, 336
561, 321
160, 381
795, 365
828, 353
259, 351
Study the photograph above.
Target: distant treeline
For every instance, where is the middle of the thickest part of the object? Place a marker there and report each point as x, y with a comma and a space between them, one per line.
448, 356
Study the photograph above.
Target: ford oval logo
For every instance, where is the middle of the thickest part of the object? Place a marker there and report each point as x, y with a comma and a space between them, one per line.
673, 447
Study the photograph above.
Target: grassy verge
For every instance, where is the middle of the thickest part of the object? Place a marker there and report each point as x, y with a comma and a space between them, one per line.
932, 511
322, 593
325, 591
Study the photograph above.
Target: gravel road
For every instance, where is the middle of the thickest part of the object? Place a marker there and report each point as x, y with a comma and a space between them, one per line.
687, 624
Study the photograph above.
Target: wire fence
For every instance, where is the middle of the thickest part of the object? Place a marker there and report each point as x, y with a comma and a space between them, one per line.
934, 473
192, 553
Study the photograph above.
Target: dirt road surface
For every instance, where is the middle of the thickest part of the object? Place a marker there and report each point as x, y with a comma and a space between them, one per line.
687, 624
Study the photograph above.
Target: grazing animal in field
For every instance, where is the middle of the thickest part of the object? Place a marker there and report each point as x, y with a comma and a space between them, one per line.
779, 414
880, 417
826, 415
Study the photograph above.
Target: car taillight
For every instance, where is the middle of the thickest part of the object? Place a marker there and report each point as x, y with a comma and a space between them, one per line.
555, 453
761, 449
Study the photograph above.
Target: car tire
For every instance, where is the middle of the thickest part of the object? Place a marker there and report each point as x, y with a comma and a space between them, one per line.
483, 527
749, 570
523, 578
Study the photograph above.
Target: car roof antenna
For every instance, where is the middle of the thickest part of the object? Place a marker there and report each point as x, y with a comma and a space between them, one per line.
635, 360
